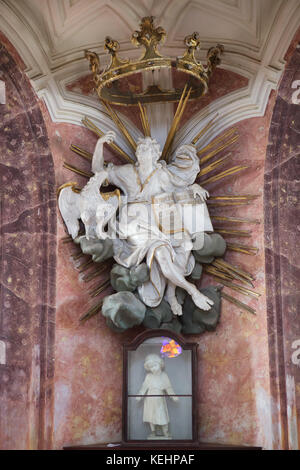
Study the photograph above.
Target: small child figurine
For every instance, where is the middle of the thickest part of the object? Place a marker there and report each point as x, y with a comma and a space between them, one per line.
155, 408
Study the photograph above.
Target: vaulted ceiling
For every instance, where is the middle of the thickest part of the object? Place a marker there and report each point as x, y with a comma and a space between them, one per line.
51, 36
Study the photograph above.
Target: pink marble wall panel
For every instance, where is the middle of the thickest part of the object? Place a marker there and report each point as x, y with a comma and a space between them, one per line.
28, 264
282, 247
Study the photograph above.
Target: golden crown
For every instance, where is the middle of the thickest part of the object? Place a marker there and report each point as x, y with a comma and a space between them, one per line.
107, 82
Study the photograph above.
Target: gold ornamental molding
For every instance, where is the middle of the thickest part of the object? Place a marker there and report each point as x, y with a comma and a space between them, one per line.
150, 37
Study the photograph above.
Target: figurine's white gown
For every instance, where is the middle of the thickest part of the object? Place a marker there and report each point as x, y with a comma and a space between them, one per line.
140, 231
155, 408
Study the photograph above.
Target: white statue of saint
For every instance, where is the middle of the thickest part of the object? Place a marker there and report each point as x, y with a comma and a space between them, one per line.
157, 383
147, 186
156, 221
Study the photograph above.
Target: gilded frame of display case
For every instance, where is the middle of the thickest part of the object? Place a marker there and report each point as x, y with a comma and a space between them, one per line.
160, 405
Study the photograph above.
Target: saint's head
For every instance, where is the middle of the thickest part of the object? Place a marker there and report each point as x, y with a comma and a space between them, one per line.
147, 149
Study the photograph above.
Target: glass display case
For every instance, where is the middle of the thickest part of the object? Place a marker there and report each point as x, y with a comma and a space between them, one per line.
159, 389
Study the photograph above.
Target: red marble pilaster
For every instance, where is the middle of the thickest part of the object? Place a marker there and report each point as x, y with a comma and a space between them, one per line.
281, 208
28, 264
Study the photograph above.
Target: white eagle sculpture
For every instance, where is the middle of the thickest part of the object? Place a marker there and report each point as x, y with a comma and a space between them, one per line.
89, 205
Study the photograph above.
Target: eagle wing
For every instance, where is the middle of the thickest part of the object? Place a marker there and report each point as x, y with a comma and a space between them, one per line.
69, 206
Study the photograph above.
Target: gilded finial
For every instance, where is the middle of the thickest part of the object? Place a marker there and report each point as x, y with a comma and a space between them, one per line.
149, 37
213, 56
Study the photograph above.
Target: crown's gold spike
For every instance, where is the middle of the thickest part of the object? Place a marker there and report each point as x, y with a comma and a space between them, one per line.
205, 129
78, 255
92, 127
178, 118
224, 266
77, 170
147, 121
238, 303
68, 237
217, 140
120, 124
178, 114
212, 270
229, 203
172, 131
247, 197
67, 240
88, 277
144, 120
103, 267
180, 102
233, 233
192, 43
241, 289
236, 277
215, 272
219, 149
235, 220
84, 266
223, 174
213, 165
247, 250
112, 48
91, 312
100, 288
95, 289
92, 275
83, 153
149, 37
227, 269
236, 269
